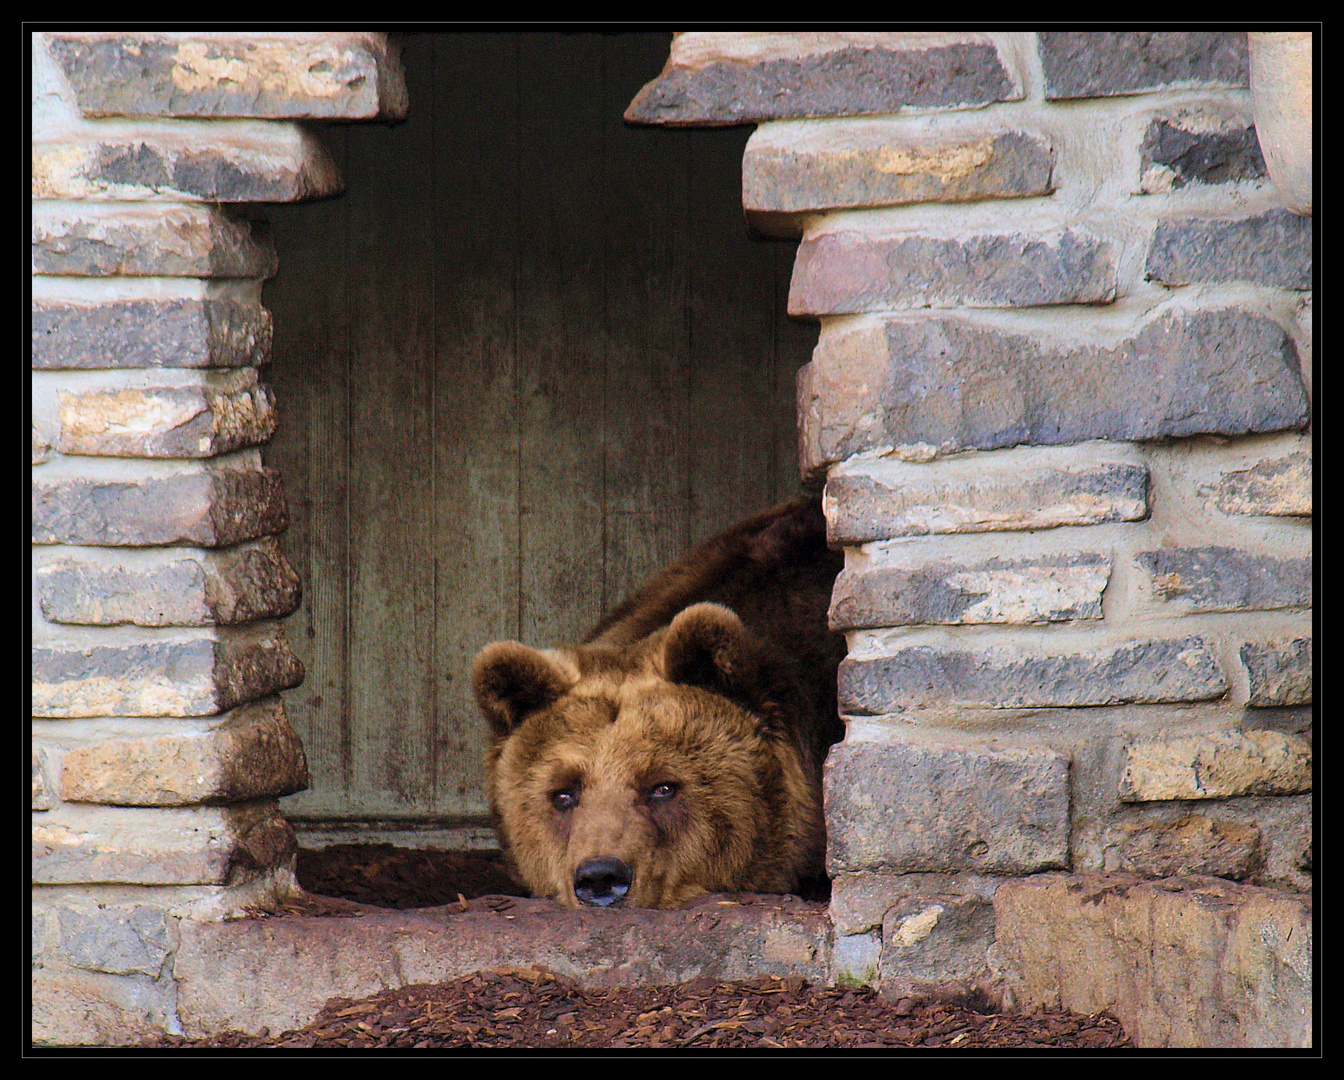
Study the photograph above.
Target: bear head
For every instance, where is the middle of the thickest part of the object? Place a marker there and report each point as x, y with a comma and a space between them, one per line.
652, 772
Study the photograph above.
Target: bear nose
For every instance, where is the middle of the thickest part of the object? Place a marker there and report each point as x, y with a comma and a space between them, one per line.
602, 881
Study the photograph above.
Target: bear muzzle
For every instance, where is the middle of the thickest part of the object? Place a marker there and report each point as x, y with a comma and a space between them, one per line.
602, 881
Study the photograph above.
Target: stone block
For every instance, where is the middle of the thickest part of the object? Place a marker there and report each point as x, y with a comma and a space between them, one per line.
1278, 486
234, 161
1279, 673
841, 273
860, 901
1194, 147
790, 169
1181, 962
202, 845
212, 416
918, 589
1009, 490
955, 382
856, 958
173, 673
251, 753
1216, 765
1272, 248
1095, 63
71, 1007
217, 75
215, 504
1177, 844
1037, 673
43, 788
169, 587
101, 931
936, 945
945, 807
158, 240
717, 78
41, 448
1219, 578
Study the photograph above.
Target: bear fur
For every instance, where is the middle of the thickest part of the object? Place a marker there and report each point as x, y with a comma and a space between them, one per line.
678, 750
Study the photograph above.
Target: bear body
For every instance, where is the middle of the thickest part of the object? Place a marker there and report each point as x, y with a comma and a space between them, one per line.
678, 750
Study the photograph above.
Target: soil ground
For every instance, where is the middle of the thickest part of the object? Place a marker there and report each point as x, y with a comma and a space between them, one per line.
537, 1009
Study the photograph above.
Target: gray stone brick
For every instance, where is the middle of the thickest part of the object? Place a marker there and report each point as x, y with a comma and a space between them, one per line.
184, 674
1095, 63
903, 807
860, 900
177, 333
41, 448
100, 933
790, 169
256, 161
172, 587
43, 788
1178, 150
213, 505
936, 944
159, 240
953, 383
1225, 579
211, 417
1273, 248
802, 75
1047, 588
1026, 676
847, 272
1021, 488
1277, 486
203, 845
1279, 673
1181, 843
855, 959
323, 76
251, 753
1218, 765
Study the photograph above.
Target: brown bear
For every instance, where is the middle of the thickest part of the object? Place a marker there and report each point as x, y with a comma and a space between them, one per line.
678, 750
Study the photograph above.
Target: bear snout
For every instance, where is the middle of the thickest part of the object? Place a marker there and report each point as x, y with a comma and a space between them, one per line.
602, 881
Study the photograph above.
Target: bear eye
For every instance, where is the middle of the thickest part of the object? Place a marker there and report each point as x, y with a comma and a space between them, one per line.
565, 798
663, 792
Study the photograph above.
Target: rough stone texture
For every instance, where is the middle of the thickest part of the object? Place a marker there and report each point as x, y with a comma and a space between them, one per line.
172, 332
214, 505
315, 76
279, 972
157, 240
1279, 673
188, 673
41, 448
205, 845
953, 383
860, 901
843, 273
1024, 488
101, 931
171, 587
1191, 843
789, 169
1181, 962
1278, 486
936, 944
1273, 248
1047, 588
717, 79
252, 753
1226, 579
1030, 675
1218, 765
168, 421
1095, 63
855, 959
42, 785
72, 1007
902, 806
1178, 150
248, 161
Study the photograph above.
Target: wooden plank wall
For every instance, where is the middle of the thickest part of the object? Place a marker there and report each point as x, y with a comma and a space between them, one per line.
529, 357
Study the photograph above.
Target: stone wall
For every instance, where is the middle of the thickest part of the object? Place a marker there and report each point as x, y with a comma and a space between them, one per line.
159, 744
1060, 404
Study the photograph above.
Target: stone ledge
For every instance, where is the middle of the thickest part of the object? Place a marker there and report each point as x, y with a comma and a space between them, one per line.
279, 972
315, 76
221, 161
1220, 765
1094, 63
717, 78
169, 587
1181, 962
134, 239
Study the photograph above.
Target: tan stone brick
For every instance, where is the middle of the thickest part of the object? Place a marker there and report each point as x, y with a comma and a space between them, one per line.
1217, 766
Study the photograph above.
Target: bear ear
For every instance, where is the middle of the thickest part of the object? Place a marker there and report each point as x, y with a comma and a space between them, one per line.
511, 681
707, 646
